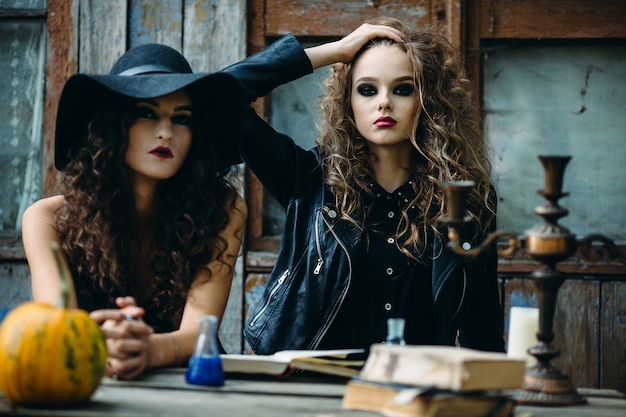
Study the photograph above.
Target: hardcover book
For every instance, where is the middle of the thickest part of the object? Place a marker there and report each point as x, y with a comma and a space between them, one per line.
397, 400
445, 367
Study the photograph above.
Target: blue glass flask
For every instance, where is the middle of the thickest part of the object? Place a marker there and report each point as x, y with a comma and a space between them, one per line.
205, 365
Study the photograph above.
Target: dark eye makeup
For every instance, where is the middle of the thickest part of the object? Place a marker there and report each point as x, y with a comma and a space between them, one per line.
404, 89
144, 111
182, 119
366, 90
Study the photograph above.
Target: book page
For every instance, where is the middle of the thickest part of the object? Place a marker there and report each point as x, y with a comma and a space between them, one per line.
254, 364
304, 354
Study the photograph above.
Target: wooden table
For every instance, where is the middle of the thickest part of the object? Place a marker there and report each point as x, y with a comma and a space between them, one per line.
165, 393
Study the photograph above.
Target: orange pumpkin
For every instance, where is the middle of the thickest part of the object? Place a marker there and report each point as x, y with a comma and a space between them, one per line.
51, 354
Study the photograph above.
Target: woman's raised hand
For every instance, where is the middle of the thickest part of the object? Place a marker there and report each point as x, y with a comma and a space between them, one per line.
353, 42
126, 337
344, 49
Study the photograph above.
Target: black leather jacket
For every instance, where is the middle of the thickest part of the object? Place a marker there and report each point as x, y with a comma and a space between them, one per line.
314, 267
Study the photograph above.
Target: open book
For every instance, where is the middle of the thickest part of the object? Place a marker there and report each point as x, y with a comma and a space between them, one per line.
339, 362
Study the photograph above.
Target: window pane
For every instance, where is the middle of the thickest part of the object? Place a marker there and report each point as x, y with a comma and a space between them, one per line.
295, 109
22, 48
559, 100
23, 4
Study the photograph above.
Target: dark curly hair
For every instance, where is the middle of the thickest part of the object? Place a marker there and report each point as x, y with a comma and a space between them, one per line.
98, 225
447, 143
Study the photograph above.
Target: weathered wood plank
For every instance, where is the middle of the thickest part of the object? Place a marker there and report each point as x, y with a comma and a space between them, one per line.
159, 21
15, 284
471, 45
214, 33
102, 32
537, 19
166, 394
11, 246
254, 286
576, 325
337, 18
577, 331
113, 400
613, 337
214, 36
62, 61
449, 14
253, 187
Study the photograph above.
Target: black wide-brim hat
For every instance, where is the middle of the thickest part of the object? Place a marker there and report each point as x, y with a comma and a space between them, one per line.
151, 71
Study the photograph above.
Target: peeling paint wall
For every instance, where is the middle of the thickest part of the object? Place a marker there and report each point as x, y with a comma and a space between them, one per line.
565, 100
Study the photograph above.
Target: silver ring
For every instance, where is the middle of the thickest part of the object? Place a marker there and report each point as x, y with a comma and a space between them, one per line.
114, 377
130, 317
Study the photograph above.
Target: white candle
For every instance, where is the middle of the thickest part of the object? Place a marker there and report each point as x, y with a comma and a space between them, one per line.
523, 328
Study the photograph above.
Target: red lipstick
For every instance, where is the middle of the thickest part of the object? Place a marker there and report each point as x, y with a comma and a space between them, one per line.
162, 152
385, 121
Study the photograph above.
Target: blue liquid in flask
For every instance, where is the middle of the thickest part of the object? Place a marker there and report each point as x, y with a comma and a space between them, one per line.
205, 370
205, 365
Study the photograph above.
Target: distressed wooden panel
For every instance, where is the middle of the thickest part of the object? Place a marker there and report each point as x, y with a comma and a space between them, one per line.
259, 261
232, 322
253, 290
536, 19
159, 21
576, 325
449, 14
577, 331
102, 32
254, 287
214, 33
15, 284
337, 18
613, 337
62, 61
231, 325
11, 246
214, 36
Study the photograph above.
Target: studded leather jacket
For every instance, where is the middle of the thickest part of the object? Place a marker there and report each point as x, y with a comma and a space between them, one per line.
314, 268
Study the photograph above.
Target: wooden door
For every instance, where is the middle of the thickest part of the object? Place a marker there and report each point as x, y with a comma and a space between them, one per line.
590, 306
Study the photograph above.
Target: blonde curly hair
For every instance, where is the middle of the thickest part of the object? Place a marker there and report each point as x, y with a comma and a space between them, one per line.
446, 139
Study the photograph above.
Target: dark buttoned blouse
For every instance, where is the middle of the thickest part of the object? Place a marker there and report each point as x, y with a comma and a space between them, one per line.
386, 283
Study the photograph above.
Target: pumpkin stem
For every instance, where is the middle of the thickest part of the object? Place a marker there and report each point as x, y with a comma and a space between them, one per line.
66, 276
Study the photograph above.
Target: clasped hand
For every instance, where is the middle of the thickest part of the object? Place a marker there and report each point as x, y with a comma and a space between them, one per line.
126, 338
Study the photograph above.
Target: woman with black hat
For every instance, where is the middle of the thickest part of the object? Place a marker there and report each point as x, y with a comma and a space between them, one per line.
147, 222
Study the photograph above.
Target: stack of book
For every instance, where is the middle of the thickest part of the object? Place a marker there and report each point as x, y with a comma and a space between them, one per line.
435, 381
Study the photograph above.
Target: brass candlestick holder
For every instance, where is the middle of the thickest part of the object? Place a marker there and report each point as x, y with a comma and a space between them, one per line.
548, 243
